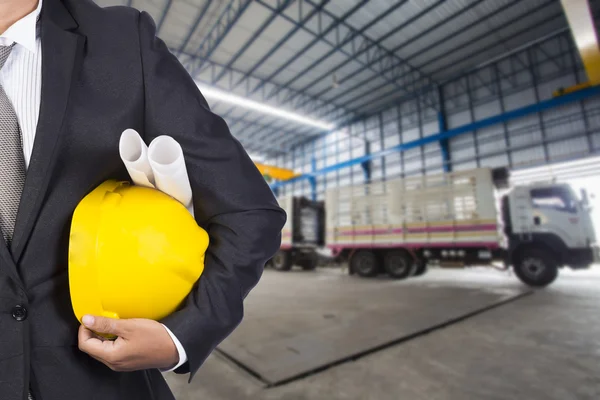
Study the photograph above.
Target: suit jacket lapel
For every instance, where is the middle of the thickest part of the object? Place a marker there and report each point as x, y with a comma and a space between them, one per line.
62, 52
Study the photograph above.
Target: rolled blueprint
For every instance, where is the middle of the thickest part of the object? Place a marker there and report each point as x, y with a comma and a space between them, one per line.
160, 166
134, 154
170, 173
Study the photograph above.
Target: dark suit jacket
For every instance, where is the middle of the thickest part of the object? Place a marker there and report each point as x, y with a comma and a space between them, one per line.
103, 70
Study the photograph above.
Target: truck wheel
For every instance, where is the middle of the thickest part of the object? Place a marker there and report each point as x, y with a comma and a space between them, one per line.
282, 260
309, 261
398, 264
364, 263
420, 268
536, 267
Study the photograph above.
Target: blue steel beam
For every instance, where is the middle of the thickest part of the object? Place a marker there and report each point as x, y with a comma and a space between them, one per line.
280, 8
161, 21
195, 26
421, 51
226, 21
486, 122
356, 43
392, 93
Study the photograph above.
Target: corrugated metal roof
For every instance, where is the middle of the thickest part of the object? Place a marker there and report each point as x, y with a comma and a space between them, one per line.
338, 52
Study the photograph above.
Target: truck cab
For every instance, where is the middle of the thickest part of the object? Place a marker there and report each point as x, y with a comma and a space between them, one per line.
547, 227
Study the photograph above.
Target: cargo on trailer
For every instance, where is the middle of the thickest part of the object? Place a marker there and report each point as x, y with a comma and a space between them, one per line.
458, 219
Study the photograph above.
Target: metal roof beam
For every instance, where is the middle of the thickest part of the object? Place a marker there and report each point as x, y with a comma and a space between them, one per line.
163, 16
226, 21
358, 47
312, 106
416, 88
380, 40
246, 78
320, 35
280, 8
302, 20
449, 51
195, 26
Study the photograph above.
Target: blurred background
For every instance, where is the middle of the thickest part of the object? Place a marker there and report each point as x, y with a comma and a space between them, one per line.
438, 161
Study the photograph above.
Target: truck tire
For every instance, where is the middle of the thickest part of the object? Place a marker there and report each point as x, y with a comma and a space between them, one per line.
282, 260
364, 263
309, 261
420, 268
398, 264
536, 267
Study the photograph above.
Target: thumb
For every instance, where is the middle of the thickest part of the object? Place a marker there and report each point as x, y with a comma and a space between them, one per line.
112, 326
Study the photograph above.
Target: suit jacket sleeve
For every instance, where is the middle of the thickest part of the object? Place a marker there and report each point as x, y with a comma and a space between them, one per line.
231, 200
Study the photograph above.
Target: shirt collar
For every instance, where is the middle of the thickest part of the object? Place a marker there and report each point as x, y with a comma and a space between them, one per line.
24, 31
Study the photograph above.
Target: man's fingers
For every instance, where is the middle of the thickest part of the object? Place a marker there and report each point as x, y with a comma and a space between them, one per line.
102, 350
106, 325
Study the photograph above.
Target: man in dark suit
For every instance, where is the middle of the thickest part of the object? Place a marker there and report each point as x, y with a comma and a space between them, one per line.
67, 94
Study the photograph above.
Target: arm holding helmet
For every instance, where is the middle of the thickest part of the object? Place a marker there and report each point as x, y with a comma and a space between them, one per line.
232, 202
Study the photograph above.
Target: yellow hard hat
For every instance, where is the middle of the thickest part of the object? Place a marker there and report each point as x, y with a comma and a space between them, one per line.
134, 252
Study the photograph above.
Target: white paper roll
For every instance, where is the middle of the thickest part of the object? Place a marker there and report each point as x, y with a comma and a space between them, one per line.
170, 173
134, 154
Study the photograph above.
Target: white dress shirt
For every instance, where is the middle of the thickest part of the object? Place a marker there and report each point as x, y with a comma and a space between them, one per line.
21, 78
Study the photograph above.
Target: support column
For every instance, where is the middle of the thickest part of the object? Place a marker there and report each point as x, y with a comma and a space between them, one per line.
366, 165
443, 127
312, 179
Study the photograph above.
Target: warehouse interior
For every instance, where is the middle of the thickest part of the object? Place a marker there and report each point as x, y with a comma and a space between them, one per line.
326, 95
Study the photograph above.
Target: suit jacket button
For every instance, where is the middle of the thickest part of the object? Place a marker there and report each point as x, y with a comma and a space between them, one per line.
19, 313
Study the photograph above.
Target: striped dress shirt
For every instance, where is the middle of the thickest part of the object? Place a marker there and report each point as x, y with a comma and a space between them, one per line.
21, 78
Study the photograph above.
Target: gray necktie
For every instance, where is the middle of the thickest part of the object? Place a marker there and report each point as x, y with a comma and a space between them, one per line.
12, 162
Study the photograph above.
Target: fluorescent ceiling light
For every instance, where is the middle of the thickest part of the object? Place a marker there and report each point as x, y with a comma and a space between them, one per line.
220, 95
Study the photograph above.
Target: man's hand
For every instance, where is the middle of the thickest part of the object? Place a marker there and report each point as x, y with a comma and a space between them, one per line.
140, 343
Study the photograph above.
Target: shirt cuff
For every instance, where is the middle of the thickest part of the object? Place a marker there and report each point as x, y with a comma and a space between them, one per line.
180, 350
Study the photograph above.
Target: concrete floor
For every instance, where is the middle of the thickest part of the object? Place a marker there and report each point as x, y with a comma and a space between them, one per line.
541, 346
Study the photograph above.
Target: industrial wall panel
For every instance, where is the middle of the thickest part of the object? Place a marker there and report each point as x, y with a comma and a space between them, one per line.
392, 141
566, 149
462, 147
519, 99
410, 135
528, 156
433, 156
518, 80
459, 119
464, 166
487, 109
494, 161
596, 141
491, 140
430, 128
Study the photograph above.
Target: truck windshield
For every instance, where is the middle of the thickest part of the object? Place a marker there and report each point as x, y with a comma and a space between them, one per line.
555, 198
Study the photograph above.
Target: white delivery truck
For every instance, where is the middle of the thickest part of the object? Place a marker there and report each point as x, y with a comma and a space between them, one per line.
302, 233
460, 219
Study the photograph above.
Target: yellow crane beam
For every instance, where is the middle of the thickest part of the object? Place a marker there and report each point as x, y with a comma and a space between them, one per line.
581, 22
281, 174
